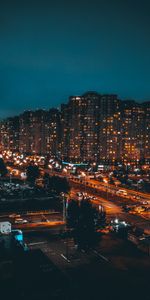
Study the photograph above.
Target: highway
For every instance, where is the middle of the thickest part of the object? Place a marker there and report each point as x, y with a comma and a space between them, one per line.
113, 209
105, 195
100, 185
110, 188
47, 219
132, 195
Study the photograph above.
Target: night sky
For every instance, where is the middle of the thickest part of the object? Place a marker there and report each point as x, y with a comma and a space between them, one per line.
50, 50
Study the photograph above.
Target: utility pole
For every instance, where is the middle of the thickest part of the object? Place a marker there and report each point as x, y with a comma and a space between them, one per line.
10, 178
84, 175
64, 207
66, 256
106, 181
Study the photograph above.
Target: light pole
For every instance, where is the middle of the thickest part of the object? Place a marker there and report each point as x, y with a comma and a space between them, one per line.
93, 166
10, 178
106, 181
66, 256
138, 195
64, 207
50, 168
65, 171
84, 175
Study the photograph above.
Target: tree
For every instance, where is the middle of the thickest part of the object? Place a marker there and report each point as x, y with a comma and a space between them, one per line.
59, 184
85, 230
33, 173
84, 219
3, 169
46, 181
99, 216
72, 213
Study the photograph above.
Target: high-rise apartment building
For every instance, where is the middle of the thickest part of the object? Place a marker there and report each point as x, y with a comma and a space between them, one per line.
9, 134
133, 132
87, 136
53, 133
80, 119
146, 145
32, 132
65, 131
109, 129
89, 128
110, 139
40, 132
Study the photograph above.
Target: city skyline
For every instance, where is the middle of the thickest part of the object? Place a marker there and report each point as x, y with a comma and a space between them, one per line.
90, 127
52, 50
74, 149
58, 107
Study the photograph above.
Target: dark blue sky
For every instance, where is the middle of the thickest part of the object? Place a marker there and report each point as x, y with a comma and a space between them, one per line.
52, 49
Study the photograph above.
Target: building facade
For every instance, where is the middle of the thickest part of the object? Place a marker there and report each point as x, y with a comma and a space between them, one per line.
40, 132
89, 128
133, 132
9, 134
80, 125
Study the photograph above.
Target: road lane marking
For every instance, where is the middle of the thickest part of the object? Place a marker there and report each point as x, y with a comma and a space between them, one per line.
37, 243
101, 256
63, 256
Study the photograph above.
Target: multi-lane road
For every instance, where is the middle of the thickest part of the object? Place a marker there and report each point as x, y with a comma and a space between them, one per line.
48, 219
114, 210
110, 188
106, 195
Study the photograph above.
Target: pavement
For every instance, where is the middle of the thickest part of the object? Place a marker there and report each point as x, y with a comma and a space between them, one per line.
115, 269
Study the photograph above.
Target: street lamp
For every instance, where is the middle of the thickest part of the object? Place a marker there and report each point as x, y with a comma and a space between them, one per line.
93, 166
23, 176
106, 181
10, 177
84, 175
138, 195
50, 167
64, 207
66, 257
65, 170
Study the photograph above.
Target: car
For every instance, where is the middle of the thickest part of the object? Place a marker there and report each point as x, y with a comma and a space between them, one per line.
20, 221
118, 226
79, 195
121, 192
135, 197
93, 198
145, 202
139, 209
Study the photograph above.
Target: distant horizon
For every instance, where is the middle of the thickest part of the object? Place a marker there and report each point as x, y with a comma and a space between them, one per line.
12, 113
